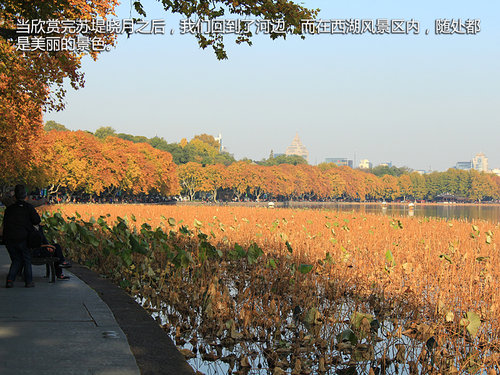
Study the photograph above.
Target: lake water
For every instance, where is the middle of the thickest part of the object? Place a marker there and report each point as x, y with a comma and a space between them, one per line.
469, 212
447, 211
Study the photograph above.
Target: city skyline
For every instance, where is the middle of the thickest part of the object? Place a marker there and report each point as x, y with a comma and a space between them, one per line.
424, 101
479, 162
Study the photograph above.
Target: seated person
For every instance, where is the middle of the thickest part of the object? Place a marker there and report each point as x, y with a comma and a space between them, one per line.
48, 250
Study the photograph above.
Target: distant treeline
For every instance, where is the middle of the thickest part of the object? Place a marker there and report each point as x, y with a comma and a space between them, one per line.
107, 164
329, 182
203, 148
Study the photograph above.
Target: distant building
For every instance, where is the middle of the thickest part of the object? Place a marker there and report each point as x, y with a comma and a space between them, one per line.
423, 171
219, 139
464, 165
495, 171
480, 162
297, 148
340, 161
387, 164
365, 164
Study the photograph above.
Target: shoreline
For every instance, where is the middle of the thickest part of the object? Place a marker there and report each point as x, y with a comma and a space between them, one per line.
299, 204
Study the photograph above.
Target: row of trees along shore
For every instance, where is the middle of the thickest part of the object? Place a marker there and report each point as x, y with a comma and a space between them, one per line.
35, 81
78, 162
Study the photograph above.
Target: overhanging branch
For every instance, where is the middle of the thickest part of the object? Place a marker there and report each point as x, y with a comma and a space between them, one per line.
8, 34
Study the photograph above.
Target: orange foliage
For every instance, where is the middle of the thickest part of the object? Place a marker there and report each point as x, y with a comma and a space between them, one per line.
213, 178
78, 161
450, 264
328, 181
32, 81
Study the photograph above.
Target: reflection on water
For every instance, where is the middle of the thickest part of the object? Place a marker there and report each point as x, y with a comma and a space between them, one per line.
450, 211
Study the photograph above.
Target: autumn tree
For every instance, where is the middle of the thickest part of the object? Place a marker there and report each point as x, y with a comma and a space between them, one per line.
208, 140
136, 168
33, 81
157, 168
80, 162
455, 181
238, 178
213, 179
269, 185
204, 153
391, 187
481, 186
191, 178
355, 188
72, 160
319, 183
405, 186
307, 183
374, 186
336, 184
495, 180
258, 180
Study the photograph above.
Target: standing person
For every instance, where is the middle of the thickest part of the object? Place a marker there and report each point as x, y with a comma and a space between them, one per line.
19, 219
8, 198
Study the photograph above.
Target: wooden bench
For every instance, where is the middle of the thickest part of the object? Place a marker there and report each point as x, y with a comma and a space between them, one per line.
49, 266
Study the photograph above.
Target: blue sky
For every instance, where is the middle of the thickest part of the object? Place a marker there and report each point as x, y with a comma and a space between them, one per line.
424, 101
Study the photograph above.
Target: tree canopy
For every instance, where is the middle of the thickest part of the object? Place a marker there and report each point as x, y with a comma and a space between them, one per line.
52, 125
288, 14
32, 81
284, 159
80, 162
382, 170
203, 148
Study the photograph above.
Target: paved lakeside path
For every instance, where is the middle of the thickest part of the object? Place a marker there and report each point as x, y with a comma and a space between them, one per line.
82, 326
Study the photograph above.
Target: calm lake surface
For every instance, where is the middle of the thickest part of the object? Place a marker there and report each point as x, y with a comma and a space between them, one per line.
447, 211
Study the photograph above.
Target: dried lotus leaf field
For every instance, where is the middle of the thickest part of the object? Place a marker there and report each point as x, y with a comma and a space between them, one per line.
310, 291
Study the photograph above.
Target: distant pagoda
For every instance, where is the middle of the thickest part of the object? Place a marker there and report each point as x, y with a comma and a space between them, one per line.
297, 148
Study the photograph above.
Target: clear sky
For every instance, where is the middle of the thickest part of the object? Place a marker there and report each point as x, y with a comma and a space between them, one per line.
416, 100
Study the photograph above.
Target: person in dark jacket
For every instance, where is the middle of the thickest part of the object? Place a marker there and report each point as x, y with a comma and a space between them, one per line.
8, 199
18, 220
48, 250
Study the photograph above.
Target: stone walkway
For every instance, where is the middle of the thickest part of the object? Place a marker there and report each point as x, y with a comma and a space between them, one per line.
65, 328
